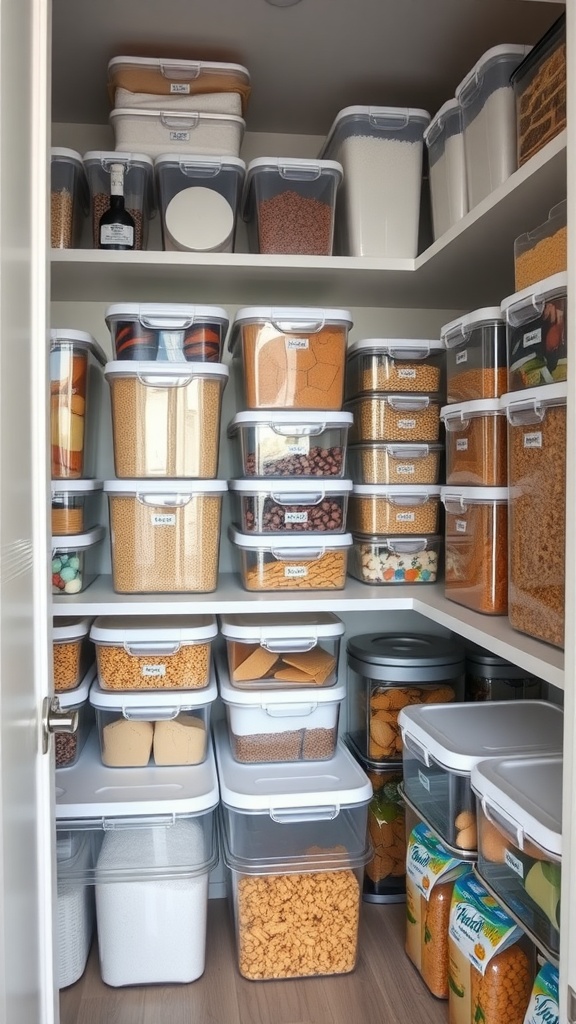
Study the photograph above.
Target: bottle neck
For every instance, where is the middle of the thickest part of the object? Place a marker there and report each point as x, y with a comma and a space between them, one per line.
117, 181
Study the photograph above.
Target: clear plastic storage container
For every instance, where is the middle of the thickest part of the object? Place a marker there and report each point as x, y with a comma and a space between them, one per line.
542, 252
167, 332
71, 652
476, 365
76, 362
489, 677
289, 444
374, 463
476, 443
75, 506
537, 333
169, 76
68, 198
68, 745
403, 364
476, 547
159, 132
290, 506
292, 563
401, 417
540, 90
74, 909
198, 199
377, 559
385, 872
444, 138
75, 561
394, 509
138, 190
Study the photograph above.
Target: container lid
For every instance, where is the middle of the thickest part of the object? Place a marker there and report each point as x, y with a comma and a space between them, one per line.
79, 541
107, 157
282, 702
526, 794
290, 546
64, 336
398, 449
288, 490
495, 55
403, 543
294, 168
167, 487
556, 31
464, 411
292, 421
473, 495
415, 494
378, 118
479, 656
396, 348
419, 650
154, 704
69, 628
79, 487
130, 629
168, 316
535, 296
174, 68
79, 695
456, 332
309, 319
534, 401
277, 626
402, 401
213, 164
160, 374
200, 219
448, 111
66, 155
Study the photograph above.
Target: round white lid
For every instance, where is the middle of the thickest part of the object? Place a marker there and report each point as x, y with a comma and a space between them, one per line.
166, 704
549, 287
307, 545
170, 316
280, 626
151, 629
454, 332
166, 486
75, 698
199, 219
399, 348
468, 410
526, 792
315, 419
159, 372
473, 495
65, 335
535, 398
69, 628
395, 492
79, 541
75, 486
289, 488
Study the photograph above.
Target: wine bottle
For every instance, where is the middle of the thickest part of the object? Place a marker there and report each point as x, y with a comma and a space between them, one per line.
116, 229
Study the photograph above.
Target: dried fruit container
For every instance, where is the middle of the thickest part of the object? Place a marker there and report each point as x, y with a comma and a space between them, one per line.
159, 132
75, 561
402, 417
290, 506
476, 366
166, 76
199, 199
154, 652
377, 559
71, 652
165, 535
68, 198
394, 509
542, 252
476, 434
76, 362
75, 506
167, 332
290, 357
476, 547
166, 418
375, 463
489, 677
387, 365
444, 138
290, 444
68, 746
537, 334
293, 843
540, 89
138, 190
306, 562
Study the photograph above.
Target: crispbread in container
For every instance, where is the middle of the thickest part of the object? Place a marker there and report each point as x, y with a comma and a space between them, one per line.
289, 444
154, 652
392, 365
540, 90
308, 562
274, 651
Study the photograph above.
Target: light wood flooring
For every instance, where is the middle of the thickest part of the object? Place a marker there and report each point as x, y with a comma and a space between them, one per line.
384, 989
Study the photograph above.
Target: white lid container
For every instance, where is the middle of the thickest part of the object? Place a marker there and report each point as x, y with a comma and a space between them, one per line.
286, 319
153, 630
74, 561
177, 77
444, 139
79, 339
290, 421
537, 333
64, 629
68, 198
530, 405
79, 541
168, 489
158, 132
199, 198
165, 375
396, 348
71, 699
75, 487
458, 331
457, 415
295, 490
297, 631
416, 494
171, 331
524, 305
525, 794
154, 705
305, 546
463, 496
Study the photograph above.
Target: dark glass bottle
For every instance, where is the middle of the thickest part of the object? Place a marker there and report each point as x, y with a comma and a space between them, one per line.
116, 229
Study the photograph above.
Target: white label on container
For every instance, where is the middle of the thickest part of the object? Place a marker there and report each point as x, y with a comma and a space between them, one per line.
532, 338
406, 424
461, 357
179, 136
295, 517
405, 517
153, 670
295, 571
532, 439
116, 234
424, 780
405, 469
297, 343
407, 373
462, 444
163, 519
514, 863
182, 87
298, 449
460, 526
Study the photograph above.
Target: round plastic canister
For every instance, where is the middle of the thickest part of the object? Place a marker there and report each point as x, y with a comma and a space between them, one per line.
489, 677
389, 671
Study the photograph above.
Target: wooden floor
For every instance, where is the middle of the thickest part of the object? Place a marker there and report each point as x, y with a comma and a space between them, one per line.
384, 989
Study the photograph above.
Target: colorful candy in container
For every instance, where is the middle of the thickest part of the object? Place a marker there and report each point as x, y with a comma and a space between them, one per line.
74, 561
167, 332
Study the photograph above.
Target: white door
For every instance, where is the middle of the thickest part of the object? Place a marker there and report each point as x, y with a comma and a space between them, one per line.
27, 990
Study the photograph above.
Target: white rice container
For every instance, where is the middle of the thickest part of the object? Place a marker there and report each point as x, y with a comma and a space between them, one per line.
155, 132
448, 189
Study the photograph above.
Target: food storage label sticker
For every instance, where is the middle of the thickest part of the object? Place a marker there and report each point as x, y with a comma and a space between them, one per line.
462, 444
533, 439
543, 1007
153, 670
295, 571
295, 517
180, 87
405, 517
532, 338
461, 357
427, 861
461, 526
514, 863
407, 373
116, 234
179, 136
405, 424
163, 519
405, 469
302, 448
297, 343
424, 780
478, 925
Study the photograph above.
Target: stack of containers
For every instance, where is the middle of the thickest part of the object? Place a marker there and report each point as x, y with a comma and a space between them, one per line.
394, 390
68, 198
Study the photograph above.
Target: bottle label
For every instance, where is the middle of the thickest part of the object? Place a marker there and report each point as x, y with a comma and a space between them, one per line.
117, 234
117, 180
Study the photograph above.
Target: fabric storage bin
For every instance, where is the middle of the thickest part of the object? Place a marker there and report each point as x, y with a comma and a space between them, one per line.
476, 547
290, 444
68, 745
289, 204
167, 332
403, 364
138, 190
537, 483
403, 417
489, 119
476, 443
206, 102
388, 671
290, 357
519, 806
540, 89
74, 506
166, 418
542, 252
76, 362
75, 561
395, 509
154, 652
199, 199
159, 132
374, 463
151, 857
442, 744
165, 535
136, 729
307, 562
290, 506
489, 677
71, 652
444, 139
476, 366
380, 149
296, 848
68, 198
74, 909
274, 651
537, 333
166, 76
378, 559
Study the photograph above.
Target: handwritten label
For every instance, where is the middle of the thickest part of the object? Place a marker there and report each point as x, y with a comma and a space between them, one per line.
292, 572
295, 517
163, 519
407, 374
297, 343
462, 444
532, 338
514, 863
180, 87
298, 449
461, 526
533, 439
405, 424
461, 357
405, 469
424, 780
179, 136
153, 670
405, 517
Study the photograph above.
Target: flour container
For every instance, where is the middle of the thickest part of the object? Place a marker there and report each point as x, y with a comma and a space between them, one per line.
290, 444
76, 379
476, 547
489, 677
537, 333
198, 199
475, 355
67, 746
138, 190
176, 78
444, 139
159, 132
71, 652
68, 198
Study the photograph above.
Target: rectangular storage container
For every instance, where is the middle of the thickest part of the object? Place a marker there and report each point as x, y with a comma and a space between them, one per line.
403, 364
377, 559
289, 444
68, 745
71, 652
476, 366
159, 132
290, 506
413, 817
75, 506
138, 190
402, 417
294, 842
444, 138
385, 873
290, 357
204, 103
167, 76
476, 443
380, 149
442, 744
76, 362
166, 418
374, 463
476, 547
537, 483
68, 198
198, 199
489, 677
74, 909
167, 332
165, 535
537, 333
542, 252
394, 509
279, 650
291, 563
289, 204
540, 89
154, 652
75, 561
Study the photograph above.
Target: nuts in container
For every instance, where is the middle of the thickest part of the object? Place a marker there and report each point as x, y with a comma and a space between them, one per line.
154, 652
394, 509
400, 417
383, 560
305, 506
290, 444
376, 365
374, 463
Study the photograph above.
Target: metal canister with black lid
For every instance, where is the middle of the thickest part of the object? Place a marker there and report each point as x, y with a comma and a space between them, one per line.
489, 677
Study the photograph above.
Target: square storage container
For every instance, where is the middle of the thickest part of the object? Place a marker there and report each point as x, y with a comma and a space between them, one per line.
394, 509
413, 817
198, 199
166, 418
489, 677
71, 652
443, 743
159, 132
444, 138
295, 844
377, 559
75, 506
167, 332
154, 652
402, 417
537, 334
290, 357
403, 364
540, 89
537, 482
167, 76
476, 547
289, 205
291, 563
476, 443
519, 804
68, 745
476, 366
275, 651
374, 463
290, 506
75, 561
165, 535
542, 252
138, 190
150, 858
68, 198
74, 909
489, 119
76, 362
289, 444
380, 149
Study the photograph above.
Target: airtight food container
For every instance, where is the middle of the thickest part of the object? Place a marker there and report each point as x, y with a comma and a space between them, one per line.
76, 362
380, 559
476, 547
75, 506
537, 333
138, 190
489, 677
400, 417
476, 443
290, 506
385, 873
199, 199
74, 909
539, 84
153, 652
444, 138
167, 332
68, 198
166, 418
381, 463
160, 132
476, 365
290, 357
293, 843
75, 561
306, 562
394, 509
166, 76
442, 743
68, 745
289, 444
404, 364
543, 251
71, 652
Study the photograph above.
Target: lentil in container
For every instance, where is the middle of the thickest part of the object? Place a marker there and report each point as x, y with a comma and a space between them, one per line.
385, 511
476, 445
395, 418
391, 366
374, 463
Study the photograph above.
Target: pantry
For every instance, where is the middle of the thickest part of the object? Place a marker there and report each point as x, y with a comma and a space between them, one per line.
469, 267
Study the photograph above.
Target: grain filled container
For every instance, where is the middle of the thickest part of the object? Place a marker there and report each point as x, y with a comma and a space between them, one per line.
74, 908
166, 418
543, 251
380, 559
138, 190
489, 677
68, 198
154, 652
402, 417
403, 364
394, 509
289, 204
537, 333
165, 535
476, 365
295, 844
168, 76
71, 652
76, 363
381, 463
476, 547
151, 857
199, 199
290, 357
164, 132
380, 149
540, 89
389, 671
68, 745
305, 562
537, 483
476, 443
289, 444
167, 332
290, 506
75, 506
75, 561
444, 139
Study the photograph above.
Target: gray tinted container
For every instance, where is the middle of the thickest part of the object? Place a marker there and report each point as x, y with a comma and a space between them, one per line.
489, 677
444, 139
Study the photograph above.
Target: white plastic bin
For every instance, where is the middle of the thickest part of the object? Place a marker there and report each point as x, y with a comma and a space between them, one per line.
198, 199
75, 561
156, 132
138, 190
74, 908
444, 138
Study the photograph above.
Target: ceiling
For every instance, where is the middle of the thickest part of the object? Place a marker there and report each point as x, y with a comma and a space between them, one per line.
306, 62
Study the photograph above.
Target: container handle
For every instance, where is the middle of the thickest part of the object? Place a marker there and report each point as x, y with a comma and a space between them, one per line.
165, 500
455, 421
530, 412
523, 312
500, 819
149, 821
408, 499
408, 547
150, 714
156, 381
298, 499
190, 121
414, 452
414, 402
152, 648
297, 555
308, 172
207, 170
159, 321
415, 748
393, 122
186, 72
298, 431
291, 815
289, 710
283, 646
422, 352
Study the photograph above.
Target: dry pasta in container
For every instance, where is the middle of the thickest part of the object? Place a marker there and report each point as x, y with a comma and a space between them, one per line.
394, 509
540, 89
544, 1000
167, 332
289, 444
68, 198
159, 132
377, 559
476, 435
75, 561
307, 562
390, 365
476, 547
76, 362
71, 652
401, 417
537, 333
198, 199
476, 366
290, 506
68, 745
172, 76
543, 251
75, 506
444, 139
381, 463
489, 677
138, 190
